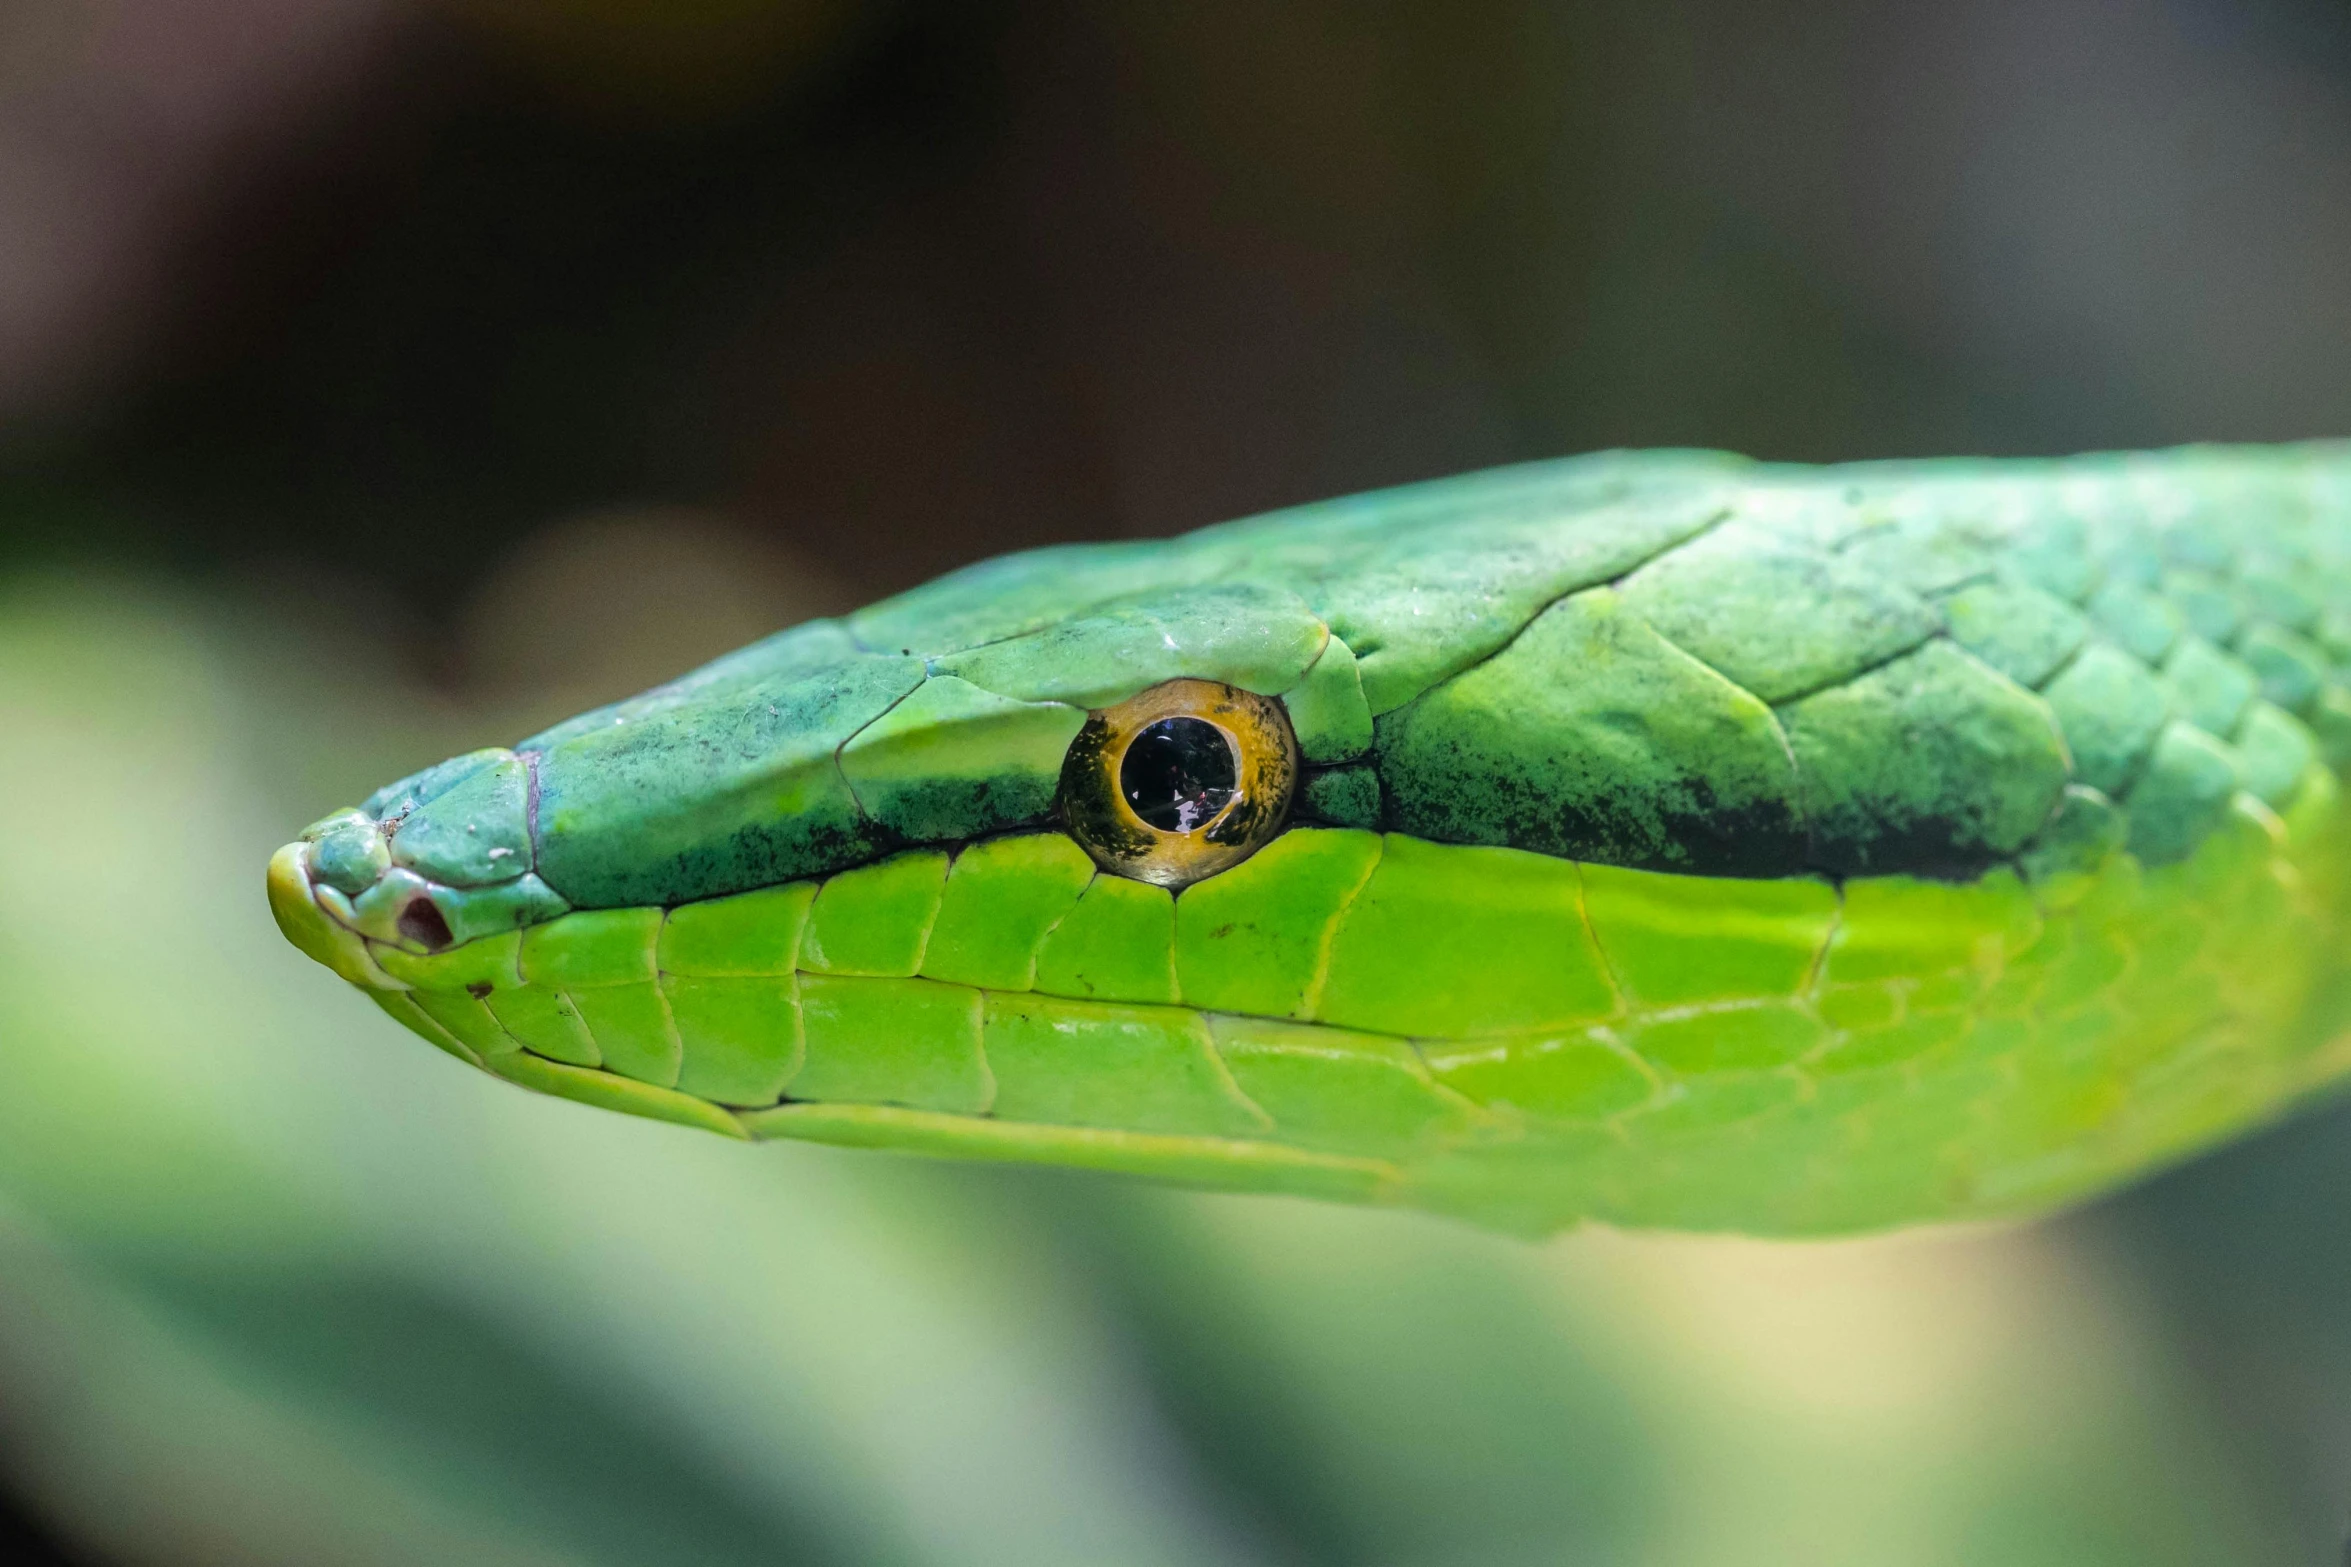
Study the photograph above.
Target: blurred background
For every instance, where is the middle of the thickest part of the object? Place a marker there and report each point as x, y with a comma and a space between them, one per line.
381, 378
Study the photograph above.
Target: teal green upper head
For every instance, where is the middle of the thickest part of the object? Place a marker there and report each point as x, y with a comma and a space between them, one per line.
1715, 675
947, 714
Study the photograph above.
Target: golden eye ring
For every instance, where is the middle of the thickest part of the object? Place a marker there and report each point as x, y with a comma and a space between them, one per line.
1179, 782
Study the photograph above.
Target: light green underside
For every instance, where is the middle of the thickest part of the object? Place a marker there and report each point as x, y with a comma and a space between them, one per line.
1501, 1035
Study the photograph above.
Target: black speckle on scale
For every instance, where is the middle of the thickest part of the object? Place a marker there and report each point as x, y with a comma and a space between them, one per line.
1179, 774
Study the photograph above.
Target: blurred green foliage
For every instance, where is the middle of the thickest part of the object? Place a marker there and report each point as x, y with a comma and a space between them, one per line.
278, 1284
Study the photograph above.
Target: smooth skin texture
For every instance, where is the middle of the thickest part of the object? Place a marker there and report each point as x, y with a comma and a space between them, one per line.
1678, 841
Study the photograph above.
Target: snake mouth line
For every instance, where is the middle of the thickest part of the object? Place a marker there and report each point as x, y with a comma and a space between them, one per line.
294, 901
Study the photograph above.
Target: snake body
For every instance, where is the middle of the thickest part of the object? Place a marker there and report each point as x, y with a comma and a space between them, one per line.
1673, 840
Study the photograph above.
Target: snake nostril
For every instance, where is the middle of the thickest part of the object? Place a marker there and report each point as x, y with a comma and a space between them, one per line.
423, 924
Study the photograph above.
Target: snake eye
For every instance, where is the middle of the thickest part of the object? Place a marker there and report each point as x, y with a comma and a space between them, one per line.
1179, 774
1179, 782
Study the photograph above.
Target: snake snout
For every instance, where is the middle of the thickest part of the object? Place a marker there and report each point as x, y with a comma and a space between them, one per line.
423, 875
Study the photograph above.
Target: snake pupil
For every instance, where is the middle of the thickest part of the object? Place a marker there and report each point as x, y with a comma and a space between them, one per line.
1179, 774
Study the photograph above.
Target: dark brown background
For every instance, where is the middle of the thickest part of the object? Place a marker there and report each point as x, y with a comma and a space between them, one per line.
901, 286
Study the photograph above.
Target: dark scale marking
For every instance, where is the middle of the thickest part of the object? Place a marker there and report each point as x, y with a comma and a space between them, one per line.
1086, 805
1344, 796
1246, 821
1593, 737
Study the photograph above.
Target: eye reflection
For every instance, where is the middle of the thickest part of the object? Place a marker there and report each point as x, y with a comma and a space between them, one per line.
1179, 781
1179, 774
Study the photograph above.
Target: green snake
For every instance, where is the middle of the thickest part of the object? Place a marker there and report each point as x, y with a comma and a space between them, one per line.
1660, 839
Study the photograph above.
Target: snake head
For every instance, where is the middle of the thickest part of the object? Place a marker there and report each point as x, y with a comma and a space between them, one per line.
1621, 839
1003, 698
428, 863
824, 748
